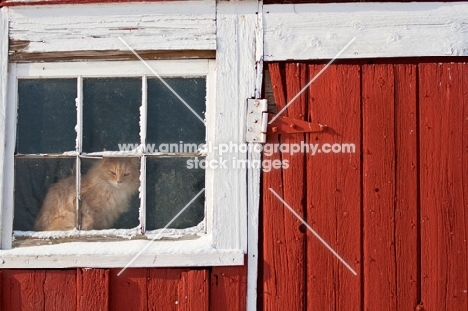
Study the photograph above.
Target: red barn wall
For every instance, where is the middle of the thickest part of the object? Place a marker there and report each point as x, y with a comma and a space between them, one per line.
396, 210
214, 288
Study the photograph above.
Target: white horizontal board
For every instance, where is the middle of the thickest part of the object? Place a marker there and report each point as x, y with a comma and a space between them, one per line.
164, 68
320, 31
118, 254
174, 25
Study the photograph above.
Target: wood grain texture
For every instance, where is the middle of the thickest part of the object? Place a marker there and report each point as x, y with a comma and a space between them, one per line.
406, 187
443, 188
228, 288
235, 61
59, 290
92, 289
283, 243
273, 286
39, 290
290, 253
168, 25
320, 31
41, 2
129, 290
23, 290
108, 55
194, 291
163, 289
379, 187
333, 190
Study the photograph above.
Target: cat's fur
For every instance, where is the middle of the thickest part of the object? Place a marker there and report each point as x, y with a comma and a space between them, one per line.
106, 190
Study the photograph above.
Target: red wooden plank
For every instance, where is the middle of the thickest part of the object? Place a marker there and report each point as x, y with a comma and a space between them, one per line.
163, 289
271, 211
283, 245
93, 289
443, 174
228, 288
129, 290
59, 290
333, 190
379, 187
23, 290
194, 291
406, 188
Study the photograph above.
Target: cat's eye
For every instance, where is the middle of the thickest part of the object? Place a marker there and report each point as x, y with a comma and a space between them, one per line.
126, 174
112, 173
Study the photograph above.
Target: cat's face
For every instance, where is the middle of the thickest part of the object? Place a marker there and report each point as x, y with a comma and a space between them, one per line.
120, 172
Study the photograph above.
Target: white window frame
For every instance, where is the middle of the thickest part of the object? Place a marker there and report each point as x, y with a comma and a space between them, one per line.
226, 190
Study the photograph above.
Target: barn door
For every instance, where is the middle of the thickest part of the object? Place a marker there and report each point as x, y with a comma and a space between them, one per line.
394, 210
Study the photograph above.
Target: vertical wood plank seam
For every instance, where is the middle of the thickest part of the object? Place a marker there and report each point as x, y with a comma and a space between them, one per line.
396, 131
464, 134
464, 90
361, 139
418, 187
307, 114
253, 184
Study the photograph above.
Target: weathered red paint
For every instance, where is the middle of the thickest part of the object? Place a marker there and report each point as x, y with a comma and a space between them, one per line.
406, 187
39, 290
228, 288
283, 242
443, 99
223, 288
395, 210
333, 190
92, 289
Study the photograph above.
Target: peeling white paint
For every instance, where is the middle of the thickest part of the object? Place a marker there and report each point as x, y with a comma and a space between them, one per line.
168, 25
381, 30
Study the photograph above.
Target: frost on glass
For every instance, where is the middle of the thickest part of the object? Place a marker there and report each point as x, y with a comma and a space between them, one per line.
169, 120
111, 113
47, 121
46, 116
170, 186
33, 178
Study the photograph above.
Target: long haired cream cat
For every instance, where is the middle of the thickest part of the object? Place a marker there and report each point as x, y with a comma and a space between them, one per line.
106, 190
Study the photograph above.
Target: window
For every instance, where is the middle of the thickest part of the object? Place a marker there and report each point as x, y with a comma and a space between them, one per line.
66, 124
73, 116
36, 53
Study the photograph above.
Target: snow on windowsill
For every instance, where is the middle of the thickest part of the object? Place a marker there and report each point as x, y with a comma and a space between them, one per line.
202, 245
122, 233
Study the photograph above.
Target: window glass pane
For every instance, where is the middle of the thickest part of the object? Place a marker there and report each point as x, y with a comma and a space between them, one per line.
169, 120
33, 179
46, 116
111, 113
109, 193
170, 186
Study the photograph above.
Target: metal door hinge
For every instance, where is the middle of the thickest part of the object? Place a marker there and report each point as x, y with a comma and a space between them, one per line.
257, 120
258, 127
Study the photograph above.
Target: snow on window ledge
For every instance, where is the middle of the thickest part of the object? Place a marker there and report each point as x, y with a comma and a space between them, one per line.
160, 253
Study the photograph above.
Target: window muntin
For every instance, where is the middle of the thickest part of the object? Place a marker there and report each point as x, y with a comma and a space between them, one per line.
101, 128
